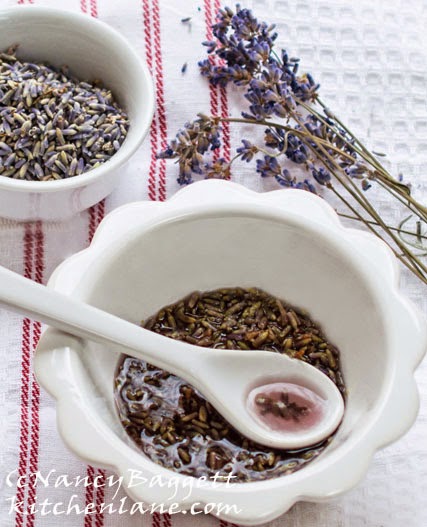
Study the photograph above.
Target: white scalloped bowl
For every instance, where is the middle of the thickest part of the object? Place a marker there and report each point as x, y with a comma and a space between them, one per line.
215, 234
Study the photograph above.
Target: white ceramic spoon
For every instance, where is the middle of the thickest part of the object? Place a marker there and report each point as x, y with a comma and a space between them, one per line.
228, 379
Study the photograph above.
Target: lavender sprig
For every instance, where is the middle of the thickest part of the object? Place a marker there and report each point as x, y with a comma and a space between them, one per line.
299, 128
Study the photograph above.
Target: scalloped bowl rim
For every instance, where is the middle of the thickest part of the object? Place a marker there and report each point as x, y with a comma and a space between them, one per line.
356, 453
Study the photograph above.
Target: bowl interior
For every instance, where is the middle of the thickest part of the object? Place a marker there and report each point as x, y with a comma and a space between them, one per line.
204, 252
91, 49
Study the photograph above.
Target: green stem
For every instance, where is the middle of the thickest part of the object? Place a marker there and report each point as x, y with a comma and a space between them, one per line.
421, 211
379, 171
407, 258
367, 156
363, 152
397, 229
361, 199
411, 264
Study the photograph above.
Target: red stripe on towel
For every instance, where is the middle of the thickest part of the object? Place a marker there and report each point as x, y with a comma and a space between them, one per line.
93, 8
30, 390
25, 378
157, 519
218, 94
224, 106
223, 102
160, 99
100, 498
90, 494
93, 217
222, 96
96, 215
35, 389
154, 126
213, 91
158, 132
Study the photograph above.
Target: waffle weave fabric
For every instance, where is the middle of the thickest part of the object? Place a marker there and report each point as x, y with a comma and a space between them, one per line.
371, 61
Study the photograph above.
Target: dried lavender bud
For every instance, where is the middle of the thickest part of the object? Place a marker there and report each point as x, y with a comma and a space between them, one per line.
282, 408
190, 436
52, 125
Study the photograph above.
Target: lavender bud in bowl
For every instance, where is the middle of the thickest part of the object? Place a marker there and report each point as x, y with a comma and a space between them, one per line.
75, 103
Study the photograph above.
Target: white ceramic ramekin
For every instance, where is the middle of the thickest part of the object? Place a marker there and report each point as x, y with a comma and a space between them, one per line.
92, 50
216, 234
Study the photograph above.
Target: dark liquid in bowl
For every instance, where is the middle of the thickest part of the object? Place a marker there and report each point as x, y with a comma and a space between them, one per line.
174, 425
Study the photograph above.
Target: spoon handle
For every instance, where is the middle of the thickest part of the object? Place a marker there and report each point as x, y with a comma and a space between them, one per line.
83, 320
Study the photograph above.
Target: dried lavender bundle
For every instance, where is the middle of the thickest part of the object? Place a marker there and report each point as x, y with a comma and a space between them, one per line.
299, 129
52, 125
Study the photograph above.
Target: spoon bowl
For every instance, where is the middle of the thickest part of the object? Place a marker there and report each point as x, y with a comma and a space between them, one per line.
230, 375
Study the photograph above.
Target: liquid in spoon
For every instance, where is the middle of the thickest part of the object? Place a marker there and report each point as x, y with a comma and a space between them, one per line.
286, 407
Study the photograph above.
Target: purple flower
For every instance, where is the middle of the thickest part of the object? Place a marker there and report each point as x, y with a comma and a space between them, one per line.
205, 66
167, 153
245, 42
247, 151
366, 185
273, 88
185, 171
306, 185
245, 25
321, 175
210, 44
242, 43
268, 166
261, 105
190, 144
285, 179
356, 170
223, 21
296, 151
239, 75
274, 138
259, 52
219, 169
216, 75
304, 87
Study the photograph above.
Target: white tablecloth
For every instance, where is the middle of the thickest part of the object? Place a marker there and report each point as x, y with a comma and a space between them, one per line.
370, 58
